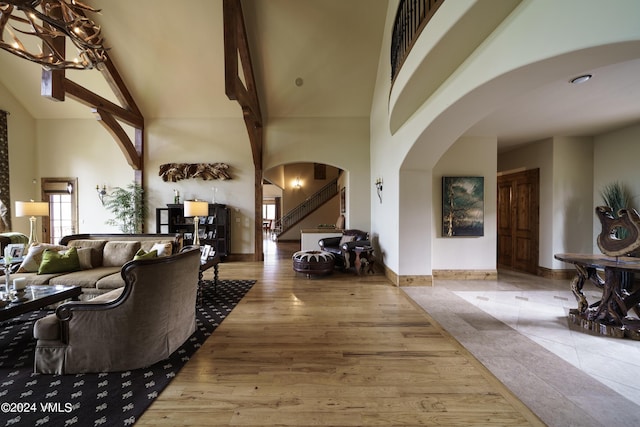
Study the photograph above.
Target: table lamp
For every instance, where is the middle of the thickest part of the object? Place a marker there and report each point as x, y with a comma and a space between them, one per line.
195, 209
32, 210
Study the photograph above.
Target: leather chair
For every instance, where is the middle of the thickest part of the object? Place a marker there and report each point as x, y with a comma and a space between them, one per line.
128, 328
343, 247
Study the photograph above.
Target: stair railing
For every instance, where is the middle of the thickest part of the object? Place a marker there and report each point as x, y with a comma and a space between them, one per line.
312, 203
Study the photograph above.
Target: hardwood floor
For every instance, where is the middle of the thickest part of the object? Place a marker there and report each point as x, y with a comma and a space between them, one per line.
339, 350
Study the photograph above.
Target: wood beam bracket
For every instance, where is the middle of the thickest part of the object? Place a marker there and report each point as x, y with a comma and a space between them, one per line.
56, 86
237, 57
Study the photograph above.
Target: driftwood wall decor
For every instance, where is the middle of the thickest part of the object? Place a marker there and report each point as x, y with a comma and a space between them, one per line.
207, 171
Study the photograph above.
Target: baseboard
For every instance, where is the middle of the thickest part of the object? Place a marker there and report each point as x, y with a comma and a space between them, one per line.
413, 280
465, 274
239, 258
556, 274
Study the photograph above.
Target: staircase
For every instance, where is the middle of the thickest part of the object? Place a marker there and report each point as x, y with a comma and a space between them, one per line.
312, 203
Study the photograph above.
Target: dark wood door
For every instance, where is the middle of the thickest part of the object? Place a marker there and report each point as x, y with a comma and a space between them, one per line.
518, 220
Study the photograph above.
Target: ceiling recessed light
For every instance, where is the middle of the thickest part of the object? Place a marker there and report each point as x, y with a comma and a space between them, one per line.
581, 79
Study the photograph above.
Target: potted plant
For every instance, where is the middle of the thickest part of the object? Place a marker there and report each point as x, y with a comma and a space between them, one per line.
616, 196
128, 208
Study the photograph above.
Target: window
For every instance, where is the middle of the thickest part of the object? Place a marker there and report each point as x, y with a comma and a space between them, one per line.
269, 211
63, 200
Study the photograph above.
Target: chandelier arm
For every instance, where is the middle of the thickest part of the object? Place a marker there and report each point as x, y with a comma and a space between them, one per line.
59, 18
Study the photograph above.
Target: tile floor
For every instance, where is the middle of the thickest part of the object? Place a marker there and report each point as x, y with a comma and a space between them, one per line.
517, 327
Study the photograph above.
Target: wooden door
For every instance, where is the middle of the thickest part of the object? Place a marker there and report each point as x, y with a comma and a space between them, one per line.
518, 220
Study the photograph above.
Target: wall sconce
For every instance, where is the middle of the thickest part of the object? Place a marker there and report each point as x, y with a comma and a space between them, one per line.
297, 184
102, 192
378, 185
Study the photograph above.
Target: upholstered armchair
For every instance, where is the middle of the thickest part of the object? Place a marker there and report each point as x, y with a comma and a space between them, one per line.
343, 247
128, 328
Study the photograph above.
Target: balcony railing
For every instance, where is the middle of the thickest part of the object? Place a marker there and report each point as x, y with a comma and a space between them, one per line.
411, 18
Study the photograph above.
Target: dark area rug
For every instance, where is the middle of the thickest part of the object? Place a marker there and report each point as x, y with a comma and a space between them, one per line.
106, 399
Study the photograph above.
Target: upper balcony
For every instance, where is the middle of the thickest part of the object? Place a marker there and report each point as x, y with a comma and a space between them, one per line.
428, 47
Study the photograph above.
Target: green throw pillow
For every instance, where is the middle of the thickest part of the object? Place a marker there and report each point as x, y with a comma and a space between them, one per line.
141, 254
59, 262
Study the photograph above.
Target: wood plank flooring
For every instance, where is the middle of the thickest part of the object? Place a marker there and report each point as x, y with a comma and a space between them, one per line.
338, 350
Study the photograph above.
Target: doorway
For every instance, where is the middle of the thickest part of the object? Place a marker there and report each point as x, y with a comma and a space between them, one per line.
518, 220
62, 195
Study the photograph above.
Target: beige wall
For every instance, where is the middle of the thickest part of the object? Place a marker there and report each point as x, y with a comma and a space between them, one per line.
207, 141
566, 177
615, 157
340, 142
23, 166
497, 71
83, 149
469, 253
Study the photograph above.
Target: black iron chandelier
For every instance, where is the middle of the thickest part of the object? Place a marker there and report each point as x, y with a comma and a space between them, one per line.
52, 22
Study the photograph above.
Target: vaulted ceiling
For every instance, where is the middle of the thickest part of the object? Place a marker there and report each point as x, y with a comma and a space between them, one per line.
170, 55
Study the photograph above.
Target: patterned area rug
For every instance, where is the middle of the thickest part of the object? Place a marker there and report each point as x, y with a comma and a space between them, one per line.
106, 399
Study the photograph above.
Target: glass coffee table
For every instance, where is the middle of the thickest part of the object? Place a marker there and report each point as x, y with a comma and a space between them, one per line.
36, 297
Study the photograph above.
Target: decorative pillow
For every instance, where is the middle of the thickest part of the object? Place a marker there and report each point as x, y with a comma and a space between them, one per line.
346, 239
31, 262
85, 255
142, 254
163, 249
59, 262
95, 244
116, 254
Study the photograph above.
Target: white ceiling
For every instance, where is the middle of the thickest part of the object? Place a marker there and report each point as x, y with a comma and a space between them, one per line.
608, 101
171, 58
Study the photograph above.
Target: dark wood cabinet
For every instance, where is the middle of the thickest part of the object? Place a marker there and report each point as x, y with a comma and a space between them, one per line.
214, 229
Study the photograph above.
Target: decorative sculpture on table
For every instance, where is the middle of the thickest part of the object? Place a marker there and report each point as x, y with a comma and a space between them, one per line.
207, 171
619, 240
619, 236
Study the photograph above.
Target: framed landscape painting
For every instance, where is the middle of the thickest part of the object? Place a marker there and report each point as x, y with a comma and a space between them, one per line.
462, 206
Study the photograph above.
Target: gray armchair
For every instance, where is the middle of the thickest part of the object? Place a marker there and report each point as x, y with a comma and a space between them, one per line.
343, 247
132, 327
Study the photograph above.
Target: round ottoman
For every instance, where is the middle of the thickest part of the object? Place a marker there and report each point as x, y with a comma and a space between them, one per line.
313, 262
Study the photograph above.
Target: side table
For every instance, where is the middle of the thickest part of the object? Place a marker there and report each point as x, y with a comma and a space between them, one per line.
364, 259
204, 266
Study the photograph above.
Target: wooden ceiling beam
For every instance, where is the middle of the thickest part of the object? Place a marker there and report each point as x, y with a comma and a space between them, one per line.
127, 147
55, 86
236, 46
117, 85
93, 101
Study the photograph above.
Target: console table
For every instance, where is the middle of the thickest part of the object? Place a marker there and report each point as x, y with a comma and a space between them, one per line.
609, 315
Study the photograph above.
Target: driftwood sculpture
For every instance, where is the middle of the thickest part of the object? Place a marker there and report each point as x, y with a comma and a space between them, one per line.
207, 171
619, 236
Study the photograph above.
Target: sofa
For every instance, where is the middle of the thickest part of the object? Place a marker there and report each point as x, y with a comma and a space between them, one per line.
129, 328
101, 257
9, 238
343, 247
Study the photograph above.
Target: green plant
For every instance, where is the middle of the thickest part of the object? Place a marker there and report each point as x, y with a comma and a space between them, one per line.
128, 208
616, 196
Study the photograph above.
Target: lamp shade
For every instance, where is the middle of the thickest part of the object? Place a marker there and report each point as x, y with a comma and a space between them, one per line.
195, 208
32, 208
